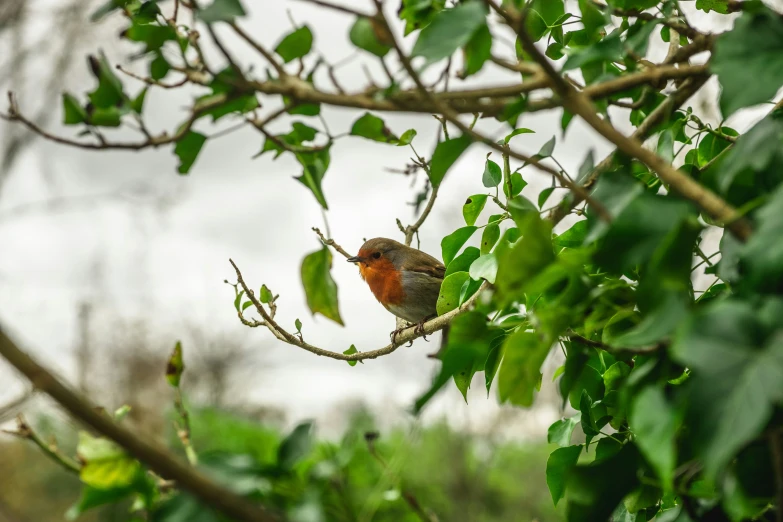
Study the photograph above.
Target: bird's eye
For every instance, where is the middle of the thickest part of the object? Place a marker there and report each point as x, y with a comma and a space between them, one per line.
376, 255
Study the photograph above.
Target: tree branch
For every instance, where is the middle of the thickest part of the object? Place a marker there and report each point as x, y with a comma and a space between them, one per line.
25, 431
330, 242
580, 105
158, 459
405, 336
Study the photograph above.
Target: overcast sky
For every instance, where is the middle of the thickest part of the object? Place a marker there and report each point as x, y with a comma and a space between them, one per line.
153, 245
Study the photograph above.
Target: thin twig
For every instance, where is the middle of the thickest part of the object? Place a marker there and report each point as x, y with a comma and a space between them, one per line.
25, 431
403, 337
330, 242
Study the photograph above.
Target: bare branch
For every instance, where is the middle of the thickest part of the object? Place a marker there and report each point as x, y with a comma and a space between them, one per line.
330, 242
158, 459
405, 336
25, 431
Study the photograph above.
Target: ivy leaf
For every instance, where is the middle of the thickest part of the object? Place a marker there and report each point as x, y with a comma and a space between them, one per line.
314, 166
489, 237
477, 51
493, 360
105, 464
450, 290
187, 150
559, 465
451, 29
109, 93
446, 153
73, 112
759, 149
372, 128
320, 288
365, 36
295, 45
93, 497
560, 431
350, 351
547, 149
221, 11
462, 262
517, 132
473, 207
544, 195
520, 371
295, 446
737, 363
492, 174
529, 256
407, 137
655, 424
719, 6
175, 366
751, 50
485, 267
573, 237
451, 244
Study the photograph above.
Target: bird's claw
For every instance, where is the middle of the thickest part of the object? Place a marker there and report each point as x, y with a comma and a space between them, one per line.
419, 330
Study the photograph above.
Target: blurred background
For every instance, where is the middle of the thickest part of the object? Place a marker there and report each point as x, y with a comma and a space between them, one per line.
108, 258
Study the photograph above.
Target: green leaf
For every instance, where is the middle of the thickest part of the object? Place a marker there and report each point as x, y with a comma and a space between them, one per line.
446, 153
109, 93
462, 262
450, 30
666, 145
761, 256
473, 207
320, 288
467, 351
560, 431
711, 145
485, 267
350, 351
105, 464
265, 295
751, 50
719, 6
608, 49
187, 150
137, 104
520, 372
93, 497
493, 360
175, 366
559, 465
298, 326
477, 51
529, 256
547, 149
159, 68
407, 137
492, 174
489, 237
364, 36
655, 424
574, 237
373, 128
735, 354
758, 150
517, 132
595, 490
73, 112
314, 166
517, 184
295, 446
221, 11
512, 110
544, 195
450, 290
452, 243
295, 45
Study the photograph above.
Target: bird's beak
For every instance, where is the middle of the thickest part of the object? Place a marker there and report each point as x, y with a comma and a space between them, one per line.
356, 259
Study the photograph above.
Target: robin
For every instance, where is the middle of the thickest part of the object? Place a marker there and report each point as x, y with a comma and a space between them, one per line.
404, 280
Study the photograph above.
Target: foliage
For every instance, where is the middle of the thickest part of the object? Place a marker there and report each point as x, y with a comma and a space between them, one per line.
677, 389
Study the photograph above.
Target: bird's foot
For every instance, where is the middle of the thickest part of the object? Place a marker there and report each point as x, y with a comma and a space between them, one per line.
397, 332
419, 329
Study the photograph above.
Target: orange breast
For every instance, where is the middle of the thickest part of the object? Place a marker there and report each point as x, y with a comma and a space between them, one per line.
384, 281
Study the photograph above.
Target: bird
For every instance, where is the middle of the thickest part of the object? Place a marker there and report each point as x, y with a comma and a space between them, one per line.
406, 281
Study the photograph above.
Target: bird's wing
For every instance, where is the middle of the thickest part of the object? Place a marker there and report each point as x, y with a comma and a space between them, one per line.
424, 264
